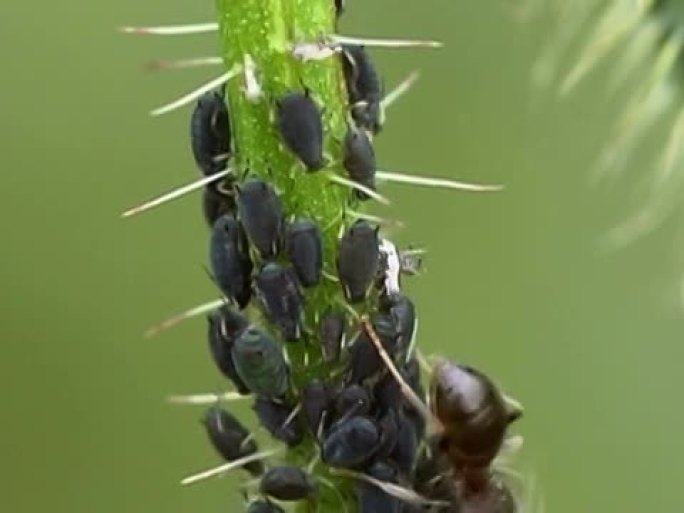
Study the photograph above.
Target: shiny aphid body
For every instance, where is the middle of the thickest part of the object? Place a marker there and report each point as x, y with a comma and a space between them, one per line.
304, 247
331, 333
278, 291
287, 483
403, 314
372, 499
315, 398
229, 259
210, 133
357, 260
363, 86
224, 326
261, 214
301, 128
230, 438
215, 204
364, 361
358, 159
260, 363
279, 421
351, 443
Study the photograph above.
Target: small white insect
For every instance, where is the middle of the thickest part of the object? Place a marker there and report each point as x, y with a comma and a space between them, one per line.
392, 266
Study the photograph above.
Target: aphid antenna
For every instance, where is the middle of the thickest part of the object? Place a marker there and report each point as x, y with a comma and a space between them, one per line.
400, 492
359, 187
414, 252
400, 90
176, 193
182, 316
204, 399
429, 181
406, 390
227, 467
195, 62
252, 88
337, 39
374, 219
172, 30
197, 92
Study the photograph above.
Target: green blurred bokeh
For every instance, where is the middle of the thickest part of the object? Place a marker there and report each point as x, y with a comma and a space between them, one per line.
589, 342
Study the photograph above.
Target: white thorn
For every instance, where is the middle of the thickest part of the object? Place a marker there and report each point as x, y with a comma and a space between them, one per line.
196, 93
314, 50
163, 64
384, 43
402, 88
172, 30
176, 193
221, 469
393, 489
355, 185
201, 399
253, 91
187, 314
435, 182
406, 390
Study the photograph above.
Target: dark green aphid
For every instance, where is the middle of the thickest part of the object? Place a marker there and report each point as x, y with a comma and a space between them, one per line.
261, 214
372, 499
357, 260
358, 159
279, 420
229, 259
230, 438
225, 325
287, 483
260, 363
259, 506
301, 128
315, 399
331, 332
304, 246
363, 86
215, 204
351, 443
278, 292
364, 361
403, 313
210, 135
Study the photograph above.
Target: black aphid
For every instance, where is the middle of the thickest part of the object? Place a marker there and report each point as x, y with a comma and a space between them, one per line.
260, 363
331, 332
403, 313
229, 259
372, 499
277, 290
304, 246
259, 506
351, 443
364, 361
352, 400
404, 453
225, 325
301, 128
261, 214
389, 433
210, 133
215, 204
230, 438
357, 260
279, 421
315, 399
358, 159
287, 483
363, 86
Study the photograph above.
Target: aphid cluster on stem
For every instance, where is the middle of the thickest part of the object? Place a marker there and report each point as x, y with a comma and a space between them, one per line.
313, 326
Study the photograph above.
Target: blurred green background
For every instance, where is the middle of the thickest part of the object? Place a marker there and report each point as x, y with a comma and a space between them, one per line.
589, 342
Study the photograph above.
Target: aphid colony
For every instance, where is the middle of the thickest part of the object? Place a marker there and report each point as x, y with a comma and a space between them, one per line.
357, 411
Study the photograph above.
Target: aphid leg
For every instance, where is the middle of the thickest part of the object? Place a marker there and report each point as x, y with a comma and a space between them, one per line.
357, 186
172, 30
330, 277
163, 64
203, 399
435, 182
187, 314
252, 88
176, 193
226, 467
384, 43
197, 92
402, 88
406, 390
295, 411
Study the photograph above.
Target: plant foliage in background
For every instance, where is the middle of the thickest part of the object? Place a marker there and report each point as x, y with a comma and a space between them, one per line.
312, 324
